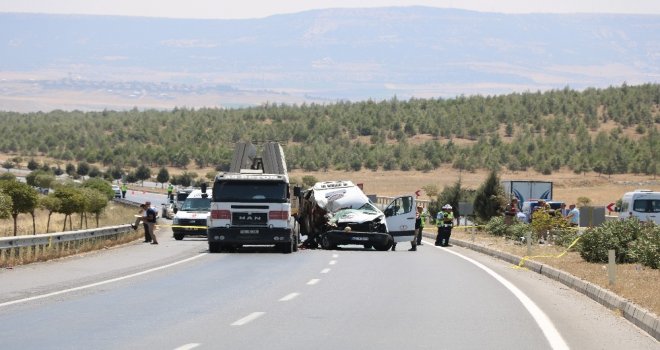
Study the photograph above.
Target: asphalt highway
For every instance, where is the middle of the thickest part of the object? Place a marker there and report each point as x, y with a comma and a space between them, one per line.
178, 296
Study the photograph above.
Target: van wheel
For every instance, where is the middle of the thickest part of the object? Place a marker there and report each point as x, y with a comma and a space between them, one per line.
384, 247
178, 237
326, 243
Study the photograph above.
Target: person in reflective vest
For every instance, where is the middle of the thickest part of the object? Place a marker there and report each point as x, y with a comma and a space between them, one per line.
419, 223
445, 221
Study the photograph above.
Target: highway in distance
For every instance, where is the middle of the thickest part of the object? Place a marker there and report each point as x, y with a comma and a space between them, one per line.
178, 296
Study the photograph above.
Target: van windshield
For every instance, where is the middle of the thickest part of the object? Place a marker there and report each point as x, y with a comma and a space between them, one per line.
197, 204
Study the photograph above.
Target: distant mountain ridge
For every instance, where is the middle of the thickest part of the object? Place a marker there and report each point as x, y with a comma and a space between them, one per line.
327, 55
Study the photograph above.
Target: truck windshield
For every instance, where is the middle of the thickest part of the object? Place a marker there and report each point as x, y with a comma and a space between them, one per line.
197, 204
250, 191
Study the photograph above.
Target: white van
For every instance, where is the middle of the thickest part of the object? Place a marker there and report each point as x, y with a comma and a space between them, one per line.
191, 218
642, 204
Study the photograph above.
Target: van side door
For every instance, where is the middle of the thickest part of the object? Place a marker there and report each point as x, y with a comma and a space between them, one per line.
400, 218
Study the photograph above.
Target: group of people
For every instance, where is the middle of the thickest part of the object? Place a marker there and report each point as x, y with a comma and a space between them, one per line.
571, 214
148, 216
444, 222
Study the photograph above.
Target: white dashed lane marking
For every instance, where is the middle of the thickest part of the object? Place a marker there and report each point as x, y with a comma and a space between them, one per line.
313, 281
289, 296
188, 346
332, 262
325, 270
247, 319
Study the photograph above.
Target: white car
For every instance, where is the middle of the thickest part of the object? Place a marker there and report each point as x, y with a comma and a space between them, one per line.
117, 191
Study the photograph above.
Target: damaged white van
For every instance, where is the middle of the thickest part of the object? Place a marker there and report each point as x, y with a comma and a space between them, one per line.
334, 213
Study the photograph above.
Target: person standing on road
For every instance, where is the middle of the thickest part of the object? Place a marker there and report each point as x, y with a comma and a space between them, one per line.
170, 189
419, 223
123, 190
149, 219
445, 222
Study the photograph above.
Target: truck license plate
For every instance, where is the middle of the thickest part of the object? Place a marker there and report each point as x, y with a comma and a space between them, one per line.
249, 232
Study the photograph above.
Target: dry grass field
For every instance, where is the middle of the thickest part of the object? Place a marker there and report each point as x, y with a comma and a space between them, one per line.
567, 186
115, 214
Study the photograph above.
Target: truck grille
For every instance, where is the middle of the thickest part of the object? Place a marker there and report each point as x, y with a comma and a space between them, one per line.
249, 219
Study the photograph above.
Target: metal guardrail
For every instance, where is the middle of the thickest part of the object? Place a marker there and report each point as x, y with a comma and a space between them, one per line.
28, 248
53, 238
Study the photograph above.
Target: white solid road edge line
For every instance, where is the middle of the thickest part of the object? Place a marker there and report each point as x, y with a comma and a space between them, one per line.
249, 318
547, 327
112, 280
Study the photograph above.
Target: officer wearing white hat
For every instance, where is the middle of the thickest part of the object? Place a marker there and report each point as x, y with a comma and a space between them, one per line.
445, 222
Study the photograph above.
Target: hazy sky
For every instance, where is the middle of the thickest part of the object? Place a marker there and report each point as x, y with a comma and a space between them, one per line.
263, 8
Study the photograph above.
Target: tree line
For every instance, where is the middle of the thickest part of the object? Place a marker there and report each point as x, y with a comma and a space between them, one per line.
612, 130
69, 198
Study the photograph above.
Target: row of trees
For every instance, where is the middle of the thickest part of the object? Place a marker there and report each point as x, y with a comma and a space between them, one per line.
88, 198
612, 130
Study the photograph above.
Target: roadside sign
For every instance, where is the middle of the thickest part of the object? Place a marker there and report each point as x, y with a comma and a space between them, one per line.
610, 207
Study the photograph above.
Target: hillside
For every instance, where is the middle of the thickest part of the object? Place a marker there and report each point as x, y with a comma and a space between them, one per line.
103, 62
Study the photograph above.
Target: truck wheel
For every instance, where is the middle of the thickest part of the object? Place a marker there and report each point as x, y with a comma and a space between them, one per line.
368, 246
326, 244
178, 237
215, 247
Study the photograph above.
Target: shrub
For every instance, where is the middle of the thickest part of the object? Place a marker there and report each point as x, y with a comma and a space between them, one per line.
517, 231
544, 221
497, 227
617, 235
646, 249
564, 236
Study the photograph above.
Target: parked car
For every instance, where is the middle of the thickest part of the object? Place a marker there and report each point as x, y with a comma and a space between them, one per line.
117, 191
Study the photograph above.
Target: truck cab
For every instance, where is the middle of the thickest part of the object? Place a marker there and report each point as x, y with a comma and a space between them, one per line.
191, 218
251, 208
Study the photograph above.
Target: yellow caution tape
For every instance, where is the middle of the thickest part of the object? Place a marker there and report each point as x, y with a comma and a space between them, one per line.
522, 261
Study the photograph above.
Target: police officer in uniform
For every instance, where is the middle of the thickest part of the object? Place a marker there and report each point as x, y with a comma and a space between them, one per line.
445, 222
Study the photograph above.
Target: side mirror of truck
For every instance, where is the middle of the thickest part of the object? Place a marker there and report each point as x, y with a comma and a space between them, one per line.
388, 212
296, 191
175, 210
